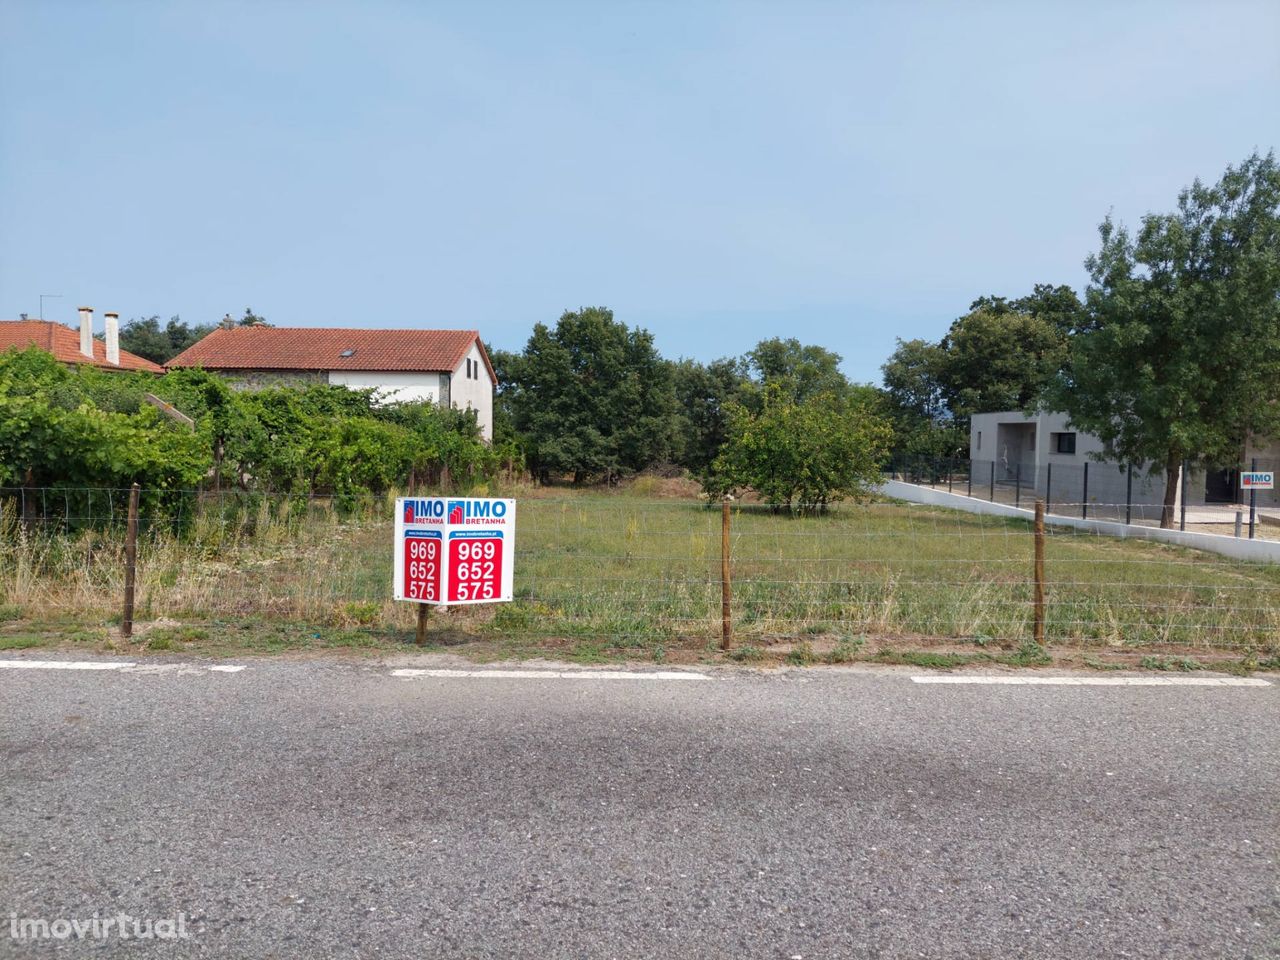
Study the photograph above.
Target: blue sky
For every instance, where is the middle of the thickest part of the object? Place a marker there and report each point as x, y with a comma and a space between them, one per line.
717, 173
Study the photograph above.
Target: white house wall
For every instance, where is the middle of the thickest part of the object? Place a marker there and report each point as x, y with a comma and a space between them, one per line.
474, 394
392, 387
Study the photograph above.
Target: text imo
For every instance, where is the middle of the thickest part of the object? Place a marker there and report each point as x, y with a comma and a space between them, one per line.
418, 510
460, 511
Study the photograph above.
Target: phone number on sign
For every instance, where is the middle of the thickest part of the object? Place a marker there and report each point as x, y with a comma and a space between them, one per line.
476, 567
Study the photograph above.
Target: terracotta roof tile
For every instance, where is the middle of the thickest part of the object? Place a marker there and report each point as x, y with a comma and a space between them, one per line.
323, 348
64, 343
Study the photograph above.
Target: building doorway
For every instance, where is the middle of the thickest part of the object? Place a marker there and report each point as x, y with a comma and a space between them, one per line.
1220, 485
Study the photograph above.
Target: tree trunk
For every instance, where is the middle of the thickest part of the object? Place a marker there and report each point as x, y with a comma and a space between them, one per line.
1172, 477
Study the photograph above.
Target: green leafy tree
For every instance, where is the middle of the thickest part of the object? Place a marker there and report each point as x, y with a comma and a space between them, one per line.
800, 370
703, 394
591, 397
912, 379
146, 338
925, 433
997, 359
1181, 355
802, 455
1058, 305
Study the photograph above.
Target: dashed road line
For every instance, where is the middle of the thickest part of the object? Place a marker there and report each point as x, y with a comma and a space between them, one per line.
127, 666
64, 664
552, 674
1098, 681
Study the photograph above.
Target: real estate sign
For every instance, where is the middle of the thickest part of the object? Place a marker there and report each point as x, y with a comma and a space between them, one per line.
454, 550
1257, 480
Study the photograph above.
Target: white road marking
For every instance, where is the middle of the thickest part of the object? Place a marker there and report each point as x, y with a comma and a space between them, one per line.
553, 674
64, 665
1101, 681
128, 666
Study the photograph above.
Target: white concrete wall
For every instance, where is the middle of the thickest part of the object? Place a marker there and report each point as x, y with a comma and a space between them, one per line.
474, 393
392, 386
1237, 548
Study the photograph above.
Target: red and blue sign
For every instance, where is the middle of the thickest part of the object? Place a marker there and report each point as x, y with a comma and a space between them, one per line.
456, 550
1258, 480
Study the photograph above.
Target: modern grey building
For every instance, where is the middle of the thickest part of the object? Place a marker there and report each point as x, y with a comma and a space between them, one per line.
1043, 452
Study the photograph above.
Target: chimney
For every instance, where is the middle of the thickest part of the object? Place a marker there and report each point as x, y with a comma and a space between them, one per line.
86, 331
113, 338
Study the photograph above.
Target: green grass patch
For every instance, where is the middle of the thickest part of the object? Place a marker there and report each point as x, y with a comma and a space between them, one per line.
926, 658
846, 651
801, 655
1180, 664
22, 642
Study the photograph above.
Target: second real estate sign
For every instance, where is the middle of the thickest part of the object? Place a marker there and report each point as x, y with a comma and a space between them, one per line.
1257, 480
454, 550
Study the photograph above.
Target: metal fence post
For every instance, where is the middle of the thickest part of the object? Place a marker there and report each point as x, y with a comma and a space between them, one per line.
970, 493
1017, 485
993, 481
1084, 496
1183, 521
1039, 570
1128, 495
130, 562
1048, 488
1253, 500
726, 589
951, 472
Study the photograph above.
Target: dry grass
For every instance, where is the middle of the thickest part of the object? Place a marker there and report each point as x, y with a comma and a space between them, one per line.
617, 572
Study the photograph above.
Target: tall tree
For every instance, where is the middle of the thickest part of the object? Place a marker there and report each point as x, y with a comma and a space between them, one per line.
703, 394
146, 338
924, 429
998, 359
800, 370
592, 397
1058, 306
912, 378
1181, 356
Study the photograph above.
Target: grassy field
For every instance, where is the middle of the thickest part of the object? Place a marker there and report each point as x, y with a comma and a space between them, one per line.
601, 576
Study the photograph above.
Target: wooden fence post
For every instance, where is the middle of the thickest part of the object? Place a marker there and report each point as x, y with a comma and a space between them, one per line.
726, 589
130, 562
424, 613
1039, 598
28, 503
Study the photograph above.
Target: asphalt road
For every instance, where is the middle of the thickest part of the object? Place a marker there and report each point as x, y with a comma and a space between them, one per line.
327, 809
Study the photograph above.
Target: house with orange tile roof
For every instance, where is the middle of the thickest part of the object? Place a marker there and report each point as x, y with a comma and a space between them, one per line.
448, 367
72, 347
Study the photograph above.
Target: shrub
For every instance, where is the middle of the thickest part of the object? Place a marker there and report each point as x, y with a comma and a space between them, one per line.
801, 455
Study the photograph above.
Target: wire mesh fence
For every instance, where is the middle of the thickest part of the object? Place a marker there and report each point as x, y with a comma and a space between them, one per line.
634, 572
1207, 499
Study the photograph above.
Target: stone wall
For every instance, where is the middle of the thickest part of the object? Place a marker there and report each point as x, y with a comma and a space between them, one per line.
261, 379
